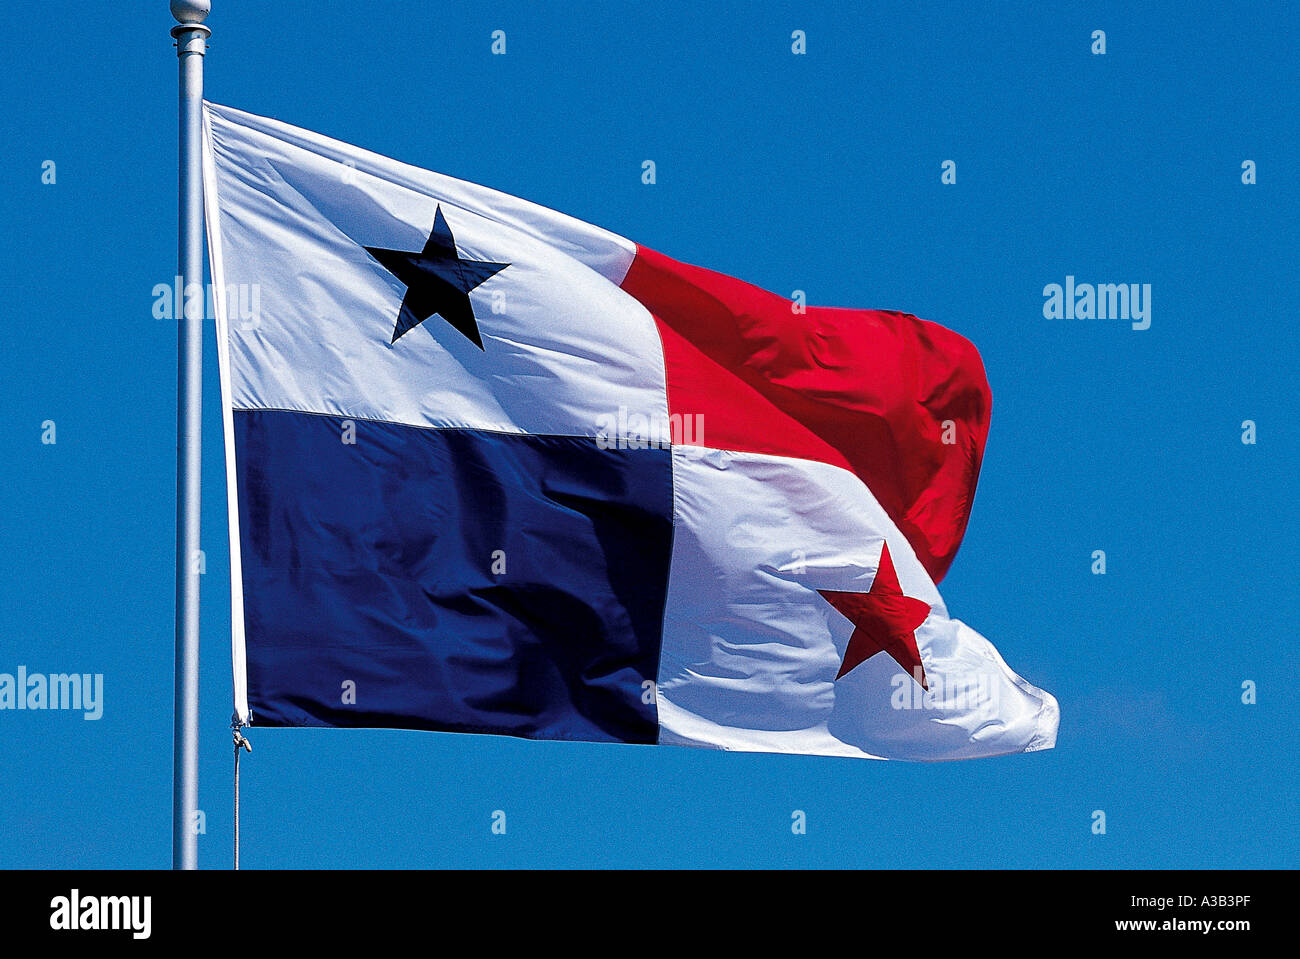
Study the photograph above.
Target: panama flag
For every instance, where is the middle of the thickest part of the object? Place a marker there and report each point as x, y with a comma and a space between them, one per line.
492, 469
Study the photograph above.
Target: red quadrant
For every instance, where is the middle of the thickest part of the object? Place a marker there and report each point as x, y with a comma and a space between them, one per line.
866, 390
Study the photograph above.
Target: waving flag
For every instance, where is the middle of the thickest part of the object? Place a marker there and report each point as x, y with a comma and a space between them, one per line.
492, 469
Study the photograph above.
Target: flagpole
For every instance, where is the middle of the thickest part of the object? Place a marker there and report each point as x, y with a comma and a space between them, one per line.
191, 45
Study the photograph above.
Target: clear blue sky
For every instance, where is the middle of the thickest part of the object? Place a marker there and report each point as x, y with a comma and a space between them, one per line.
820, 173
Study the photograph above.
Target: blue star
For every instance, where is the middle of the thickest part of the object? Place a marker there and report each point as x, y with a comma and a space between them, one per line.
438, 281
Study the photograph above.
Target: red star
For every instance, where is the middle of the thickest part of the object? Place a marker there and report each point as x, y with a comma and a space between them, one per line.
885, 621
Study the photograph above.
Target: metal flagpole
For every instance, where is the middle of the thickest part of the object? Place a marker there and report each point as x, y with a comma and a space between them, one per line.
191, 44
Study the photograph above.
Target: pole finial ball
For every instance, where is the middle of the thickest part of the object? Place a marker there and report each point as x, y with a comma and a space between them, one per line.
191, 11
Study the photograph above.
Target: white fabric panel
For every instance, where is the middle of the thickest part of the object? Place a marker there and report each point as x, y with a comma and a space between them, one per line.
751, 649
564, 346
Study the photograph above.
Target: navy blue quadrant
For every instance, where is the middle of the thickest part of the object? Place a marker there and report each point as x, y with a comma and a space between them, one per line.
373, 564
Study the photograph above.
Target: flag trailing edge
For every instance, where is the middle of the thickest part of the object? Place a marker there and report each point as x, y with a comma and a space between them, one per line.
494, 469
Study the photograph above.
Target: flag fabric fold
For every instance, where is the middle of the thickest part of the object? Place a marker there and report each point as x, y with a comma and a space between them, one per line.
493, 469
